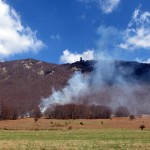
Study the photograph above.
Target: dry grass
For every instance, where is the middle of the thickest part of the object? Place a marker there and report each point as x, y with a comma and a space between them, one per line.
114, 139
74, 145
52, 124
115, 133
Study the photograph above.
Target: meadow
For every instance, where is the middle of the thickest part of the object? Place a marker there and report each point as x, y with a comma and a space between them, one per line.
47, 134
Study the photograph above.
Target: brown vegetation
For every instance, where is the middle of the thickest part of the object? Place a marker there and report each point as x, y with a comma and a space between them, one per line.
36, 113
24, 82
54, 124
142, 126
131, 117
122, 111
8, 112
78, 111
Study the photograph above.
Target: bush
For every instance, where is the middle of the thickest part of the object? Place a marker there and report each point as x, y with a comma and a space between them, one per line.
142, 126
131, 117
81, 123
70, 128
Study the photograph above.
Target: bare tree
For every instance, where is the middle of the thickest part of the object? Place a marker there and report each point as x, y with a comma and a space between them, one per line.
78, 111
122, 111
36, 113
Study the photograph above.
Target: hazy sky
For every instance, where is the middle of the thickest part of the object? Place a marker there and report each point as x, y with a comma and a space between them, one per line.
61, 31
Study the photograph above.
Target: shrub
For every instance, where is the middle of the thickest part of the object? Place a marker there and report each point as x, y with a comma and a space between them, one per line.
81, 123
142, 126
131, 117
70, 128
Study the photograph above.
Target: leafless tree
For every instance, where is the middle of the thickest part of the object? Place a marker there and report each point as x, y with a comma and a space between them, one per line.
78, 111
36, 113
122, 111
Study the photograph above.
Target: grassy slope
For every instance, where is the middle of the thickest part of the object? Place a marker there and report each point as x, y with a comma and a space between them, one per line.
76, 139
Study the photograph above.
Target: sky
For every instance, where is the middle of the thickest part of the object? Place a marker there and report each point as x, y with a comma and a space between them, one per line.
62, 31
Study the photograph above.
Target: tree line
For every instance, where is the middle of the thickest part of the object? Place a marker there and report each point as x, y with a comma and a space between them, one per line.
78, 111
66, 111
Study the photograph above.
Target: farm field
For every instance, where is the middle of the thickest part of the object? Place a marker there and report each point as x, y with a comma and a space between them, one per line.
45, 134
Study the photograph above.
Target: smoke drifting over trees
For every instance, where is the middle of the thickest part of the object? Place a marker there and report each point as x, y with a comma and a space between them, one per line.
105, 83
109, 84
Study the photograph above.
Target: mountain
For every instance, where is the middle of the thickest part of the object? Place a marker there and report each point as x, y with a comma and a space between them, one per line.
129, 70
24, 82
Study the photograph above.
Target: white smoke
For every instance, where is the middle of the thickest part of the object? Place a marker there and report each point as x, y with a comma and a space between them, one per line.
104, 86
108, 84
77, 86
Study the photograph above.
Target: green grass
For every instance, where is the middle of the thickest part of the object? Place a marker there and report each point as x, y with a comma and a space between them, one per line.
75, 139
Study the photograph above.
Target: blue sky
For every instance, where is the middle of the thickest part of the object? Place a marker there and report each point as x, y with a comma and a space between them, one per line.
61, 31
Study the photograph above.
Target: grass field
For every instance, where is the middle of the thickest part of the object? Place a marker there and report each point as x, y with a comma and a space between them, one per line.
25, 134
75, 139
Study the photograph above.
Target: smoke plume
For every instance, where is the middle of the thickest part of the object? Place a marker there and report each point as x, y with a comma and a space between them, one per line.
107, 85
77, 86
